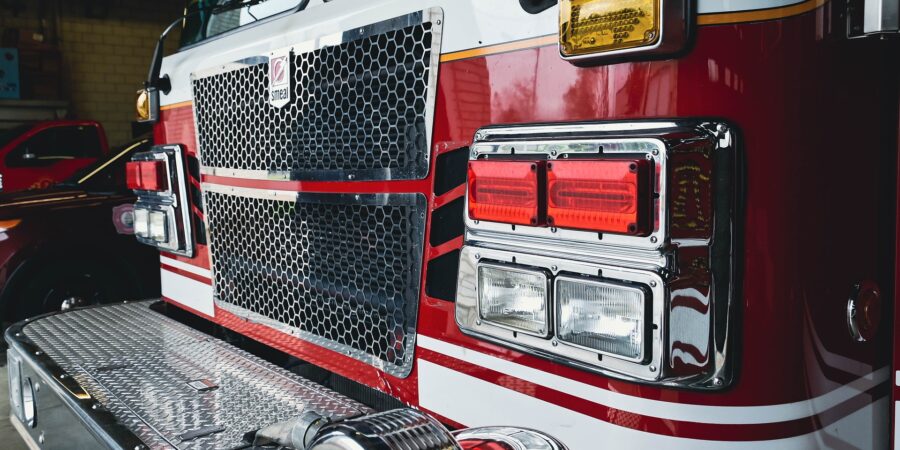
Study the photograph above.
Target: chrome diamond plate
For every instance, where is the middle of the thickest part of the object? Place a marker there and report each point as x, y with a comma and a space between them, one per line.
138, 364
360, 109
341, 271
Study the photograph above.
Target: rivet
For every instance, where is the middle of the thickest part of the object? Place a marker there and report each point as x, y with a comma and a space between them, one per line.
351, 176
478, 256
477, 222
38, 353
718, 381
653, 284
95, 406
655, 152
554, 268
554, 342
437, 22
552, 152
653, 368
553, 229
478, 322
565, 156
653, 239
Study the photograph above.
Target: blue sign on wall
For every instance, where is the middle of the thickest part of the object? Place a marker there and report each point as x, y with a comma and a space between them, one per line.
9, 73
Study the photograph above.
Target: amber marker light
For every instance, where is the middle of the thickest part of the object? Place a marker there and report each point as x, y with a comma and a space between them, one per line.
595, 26
142, 105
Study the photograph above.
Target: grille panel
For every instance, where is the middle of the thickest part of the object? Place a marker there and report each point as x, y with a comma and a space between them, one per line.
341, 271
360, 110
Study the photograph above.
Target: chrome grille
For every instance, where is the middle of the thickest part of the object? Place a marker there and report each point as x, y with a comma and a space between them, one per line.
360, 110
341, 271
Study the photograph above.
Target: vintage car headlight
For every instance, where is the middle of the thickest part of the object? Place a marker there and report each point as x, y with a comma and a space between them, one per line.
513, 297
602, 316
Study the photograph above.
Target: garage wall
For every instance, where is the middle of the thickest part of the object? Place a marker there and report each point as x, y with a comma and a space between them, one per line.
105, 48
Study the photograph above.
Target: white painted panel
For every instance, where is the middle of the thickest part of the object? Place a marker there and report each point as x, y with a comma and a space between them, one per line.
188, 292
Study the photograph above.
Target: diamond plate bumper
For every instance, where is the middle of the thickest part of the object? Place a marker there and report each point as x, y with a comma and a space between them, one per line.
125, 376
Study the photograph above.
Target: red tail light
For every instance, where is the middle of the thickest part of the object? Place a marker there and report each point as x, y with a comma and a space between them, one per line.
146, 175
603, 196
505, 191
483, 444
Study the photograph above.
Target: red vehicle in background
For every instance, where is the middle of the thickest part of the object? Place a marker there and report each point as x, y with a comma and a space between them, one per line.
40, 154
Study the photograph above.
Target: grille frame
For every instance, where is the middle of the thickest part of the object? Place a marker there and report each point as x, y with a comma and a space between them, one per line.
417, 170
416, 200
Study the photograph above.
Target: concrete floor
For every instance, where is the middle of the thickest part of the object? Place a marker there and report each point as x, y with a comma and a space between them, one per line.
9, 438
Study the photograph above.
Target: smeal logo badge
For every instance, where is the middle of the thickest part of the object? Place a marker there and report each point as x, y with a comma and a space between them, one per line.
279, 79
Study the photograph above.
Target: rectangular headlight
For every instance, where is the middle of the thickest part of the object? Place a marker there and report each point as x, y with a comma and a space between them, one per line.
606, 317
514, 298
158, 228
141, 222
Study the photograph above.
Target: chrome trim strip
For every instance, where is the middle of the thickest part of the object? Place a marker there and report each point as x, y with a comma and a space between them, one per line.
467, 314
174, 199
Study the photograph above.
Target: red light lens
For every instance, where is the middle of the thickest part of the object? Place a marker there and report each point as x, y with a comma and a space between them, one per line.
598, 195
146, 175
505, 191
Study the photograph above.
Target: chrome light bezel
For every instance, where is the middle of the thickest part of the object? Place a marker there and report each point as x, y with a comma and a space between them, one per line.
173, 201
468, 313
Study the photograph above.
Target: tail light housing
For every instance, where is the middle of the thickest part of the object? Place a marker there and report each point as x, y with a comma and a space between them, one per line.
151, 175
162, 213
607, 196
506, 191
634, 241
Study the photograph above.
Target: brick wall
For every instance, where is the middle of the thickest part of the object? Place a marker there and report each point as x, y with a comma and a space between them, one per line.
106, 47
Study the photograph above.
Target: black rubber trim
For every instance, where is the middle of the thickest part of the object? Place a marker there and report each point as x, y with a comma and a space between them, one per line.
440, 283
447, 222
450, 170
536, 6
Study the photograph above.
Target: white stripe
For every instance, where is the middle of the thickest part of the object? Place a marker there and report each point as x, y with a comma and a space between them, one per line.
185, 266
188, 292
718, 6
662, 409
467, 403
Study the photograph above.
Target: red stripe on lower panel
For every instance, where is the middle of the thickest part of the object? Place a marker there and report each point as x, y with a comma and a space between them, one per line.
200, 259
691, 430
322, 357
356, 187
185, 273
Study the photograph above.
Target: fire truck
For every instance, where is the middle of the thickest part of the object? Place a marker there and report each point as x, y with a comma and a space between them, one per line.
500, 225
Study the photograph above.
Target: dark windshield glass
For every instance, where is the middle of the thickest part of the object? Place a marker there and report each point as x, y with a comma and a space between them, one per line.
203, 24
7, 135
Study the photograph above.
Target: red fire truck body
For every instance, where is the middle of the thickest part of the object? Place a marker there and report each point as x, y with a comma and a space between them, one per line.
759, 252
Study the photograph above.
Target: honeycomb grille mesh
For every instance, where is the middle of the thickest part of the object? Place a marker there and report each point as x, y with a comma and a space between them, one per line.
341, 271
358, 111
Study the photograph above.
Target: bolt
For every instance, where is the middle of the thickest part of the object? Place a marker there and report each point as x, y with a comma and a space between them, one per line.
653, 239
552, 152
655, 152
721, 128
474, 153
38, 353
437, 22
553, 229
653, 368
356, 197
652, 284
477, 222
351, 176
718, 382
478, 256
554, 268
41, 438
565, 156
478, 322
95, 406
554, 342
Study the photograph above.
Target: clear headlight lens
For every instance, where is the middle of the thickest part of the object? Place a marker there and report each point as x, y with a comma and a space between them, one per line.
606, 317
142, 222
158, 231
514, 298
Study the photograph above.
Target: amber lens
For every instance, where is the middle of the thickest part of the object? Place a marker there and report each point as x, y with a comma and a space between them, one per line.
594, 26
143, 104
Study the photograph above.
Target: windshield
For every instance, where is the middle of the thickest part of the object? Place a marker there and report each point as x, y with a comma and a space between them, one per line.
105, 172
204, 25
